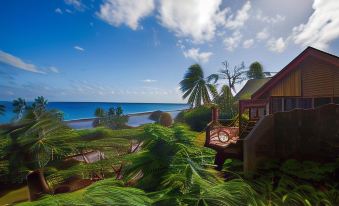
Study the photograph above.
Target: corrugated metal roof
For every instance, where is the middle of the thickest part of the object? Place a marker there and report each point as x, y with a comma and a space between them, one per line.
251, 86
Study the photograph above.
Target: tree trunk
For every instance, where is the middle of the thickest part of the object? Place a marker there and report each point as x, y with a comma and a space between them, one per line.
43, 182
37, 185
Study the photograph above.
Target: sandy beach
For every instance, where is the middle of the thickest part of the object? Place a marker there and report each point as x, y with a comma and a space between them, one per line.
134, 120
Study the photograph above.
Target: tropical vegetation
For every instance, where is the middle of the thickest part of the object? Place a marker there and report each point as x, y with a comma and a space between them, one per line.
196, 88
113, 118
255, 71
155, 164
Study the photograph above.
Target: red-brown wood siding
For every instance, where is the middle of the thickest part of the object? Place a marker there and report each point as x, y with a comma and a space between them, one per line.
318, 78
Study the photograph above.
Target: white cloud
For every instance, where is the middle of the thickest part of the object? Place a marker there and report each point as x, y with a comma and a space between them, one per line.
149, 80
270, 20
197, 56
79, 48
10, 93
18, 63
54, 69
277, 45
77, 4
233, 41
118, 12
322, 26
68, 11
196, 19
248, 43
263, 34
238, 21
58, 10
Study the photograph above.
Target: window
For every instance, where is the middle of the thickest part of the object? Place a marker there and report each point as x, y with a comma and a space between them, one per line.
290, 103
305, 103
276, 105
321, 101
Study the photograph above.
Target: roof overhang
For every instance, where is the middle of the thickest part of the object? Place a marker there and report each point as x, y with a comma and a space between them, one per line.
309, 51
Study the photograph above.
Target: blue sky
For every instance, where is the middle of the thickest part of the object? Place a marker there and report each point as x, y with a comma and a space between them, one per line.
138, 50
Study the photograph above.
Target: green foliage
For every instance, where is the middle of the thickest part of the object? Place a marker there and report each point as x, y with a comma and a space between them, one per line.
184, 172
295, 183
39, 104
119, 111
195, 87
165, 119
19, 106
99, 112
309, 170
43, 138
104, 192
197, 118
113, 119
225, 102
255, 71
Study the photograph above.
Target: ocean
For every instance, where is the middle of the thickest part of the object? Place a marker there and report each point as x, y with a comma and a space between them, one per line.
83, 110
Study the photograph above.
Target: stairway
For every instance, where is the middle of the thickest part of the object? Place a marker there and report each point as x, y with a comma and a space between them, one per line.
247, 128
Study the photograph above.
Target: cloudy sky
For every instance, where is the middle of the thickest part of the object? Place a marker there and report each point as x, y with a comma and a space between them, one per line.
138, 50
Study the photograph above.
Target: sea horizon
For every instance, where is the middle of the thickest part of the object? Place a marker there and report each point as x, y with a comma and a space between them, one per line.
85, 110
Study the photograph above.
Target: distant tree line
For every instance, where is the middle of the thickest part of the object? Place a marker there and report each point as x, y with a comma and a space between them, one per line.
113, 118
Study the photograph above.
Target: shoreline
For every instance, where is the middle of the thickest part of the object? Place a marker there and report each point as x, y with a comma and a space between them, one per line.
129, 115
134, 120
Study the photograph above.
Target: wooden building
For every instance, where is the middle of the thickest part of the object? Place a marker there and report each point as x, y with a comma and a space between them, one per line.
308, 81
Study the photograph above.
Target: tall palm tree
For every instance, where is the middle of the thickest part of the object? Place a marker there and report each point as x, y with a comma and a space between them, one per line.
19, 106
255, 71
40, 104
41, 138
196, 87
99, 112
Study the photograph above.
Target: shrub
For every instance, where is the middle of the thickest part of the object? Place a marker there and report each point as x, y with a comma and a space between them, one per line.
99, 112
180, 117
155, 116
198, 118
165, 119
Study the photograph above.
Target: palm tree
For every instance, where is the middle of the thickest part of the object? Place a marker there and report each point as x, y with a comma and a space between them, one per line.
40, 104
19, 106
42, 138
255, 71
2, 109
195, 87
99, 112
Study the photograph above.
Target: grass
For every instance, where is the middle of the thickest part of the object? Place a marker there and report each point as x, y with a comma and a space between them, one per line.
200, 139
14, 196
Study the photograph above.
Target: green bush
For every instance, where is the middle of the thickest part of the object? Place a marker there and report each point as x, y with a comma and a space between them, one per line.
165, 119
198, 118
180, 117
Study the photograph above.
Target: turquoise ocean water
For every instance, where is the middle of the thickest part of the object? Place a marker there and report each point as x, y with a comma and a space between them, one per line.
81, 110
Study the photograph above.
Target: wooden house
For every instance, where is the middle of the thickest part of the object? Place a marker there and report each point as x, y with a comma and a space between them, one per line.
308, 81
